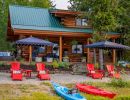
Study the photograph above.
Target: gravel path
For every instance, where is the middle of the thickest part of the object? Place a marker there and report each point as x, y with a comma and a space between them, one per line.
59, 78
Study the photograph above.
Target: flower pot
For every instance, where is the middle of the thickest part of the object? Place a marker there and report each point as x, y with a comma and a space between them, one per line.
38, 59
66, 59
49, 59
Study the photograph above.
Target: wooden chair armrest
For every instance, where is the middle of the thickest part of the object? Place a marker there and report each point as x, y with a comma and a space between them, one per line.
102, 71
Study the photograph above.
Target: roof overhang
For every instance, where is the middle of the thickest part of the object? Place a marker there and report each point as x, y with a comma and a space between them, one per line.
64, 12
28, 32
50, 33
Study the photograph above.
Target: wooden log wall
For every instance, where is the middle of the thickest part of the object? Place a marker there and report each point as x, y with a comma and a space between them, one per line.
67, 45
25, 52
68, 21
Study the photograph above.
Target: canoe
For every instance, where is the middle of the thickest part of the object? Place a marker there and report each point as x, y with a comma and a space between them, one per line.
63, 92
95, 91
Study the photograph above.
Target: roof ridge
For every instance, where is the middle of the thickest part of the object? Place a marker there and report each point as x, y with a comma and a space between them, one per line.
23, 6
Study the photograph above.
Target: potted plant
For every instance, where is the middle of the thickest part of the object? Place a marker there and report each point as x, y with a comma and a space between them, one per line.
74, 42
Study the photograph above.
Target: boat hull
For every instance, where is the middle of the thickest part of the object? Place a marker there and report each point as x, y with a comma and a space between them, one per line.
63, 92
95, 91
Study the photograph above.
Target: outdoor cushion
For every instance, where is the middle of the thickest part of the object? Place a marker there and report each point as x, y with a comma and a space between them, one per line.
16, 71
92, 71
44, 76
42, 72
112, 72
97, 75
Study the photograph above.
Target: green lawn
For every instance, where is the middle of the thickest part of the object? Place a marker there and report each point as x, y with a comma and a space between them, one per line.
44, 91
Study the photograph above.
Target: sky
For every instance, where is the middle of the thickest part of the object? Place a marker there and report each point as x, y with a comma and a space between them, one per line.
61, 4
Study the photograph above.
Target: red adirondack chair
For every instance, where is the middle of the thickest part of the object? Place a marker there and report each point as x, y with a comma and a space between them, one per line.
111, 72
42, 72
16, 73
94, 73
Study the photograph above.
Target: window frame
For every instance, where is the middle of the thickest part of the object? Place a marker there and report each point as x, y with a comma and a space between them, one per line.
76, 47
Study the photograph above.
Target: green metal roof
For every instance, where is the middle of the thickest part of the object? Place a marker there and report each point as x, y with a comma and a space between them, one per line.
23, 17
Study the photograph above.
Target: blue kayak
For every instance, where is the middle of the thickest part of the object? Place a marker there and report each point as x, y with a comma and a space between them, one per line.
64, 92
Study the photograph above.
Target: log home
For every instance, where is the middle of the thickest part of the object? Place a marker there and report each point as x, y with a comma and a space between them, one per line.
64, 27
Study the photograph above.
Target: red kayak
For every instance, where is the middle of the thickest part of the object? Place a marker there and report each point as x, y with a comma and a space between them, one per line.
95, 91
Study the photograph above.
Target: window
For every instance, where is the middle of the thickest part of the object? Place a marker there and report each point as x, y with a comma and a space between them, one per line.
84, 22
81, 22
78, 22
77, 49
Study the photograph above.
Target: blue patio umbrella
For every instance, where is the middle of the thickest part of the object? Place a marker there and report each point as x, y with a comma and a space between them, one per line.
32, 41
106, 45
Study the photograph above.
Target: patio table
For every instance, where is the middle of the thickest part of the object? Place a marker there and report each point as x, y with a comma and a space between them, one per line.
28, 73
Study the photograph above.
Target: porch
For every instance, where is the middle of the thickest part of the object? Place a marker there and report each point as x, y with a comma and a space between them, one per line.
69, 49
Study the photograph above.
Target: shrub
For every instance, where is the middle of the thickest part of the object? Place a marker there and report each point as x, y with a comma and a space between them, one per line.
55, 64
61, 64
64, 65
118, 83
2, 63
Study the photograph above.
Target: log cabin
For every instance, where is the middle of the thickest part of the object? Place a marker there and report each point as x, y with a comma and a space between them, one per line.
64, 27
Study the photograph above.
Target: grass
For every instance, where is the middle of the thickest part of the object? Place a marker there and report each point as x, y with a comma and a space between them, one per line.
46, 83
91, 97
44, 91
26, 92
116, 86
38, 96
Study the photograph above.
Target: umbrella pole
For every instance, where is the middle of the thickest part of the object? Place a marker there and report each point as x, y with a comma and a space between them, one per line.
30, 53
94, 55
101, 58
114, 56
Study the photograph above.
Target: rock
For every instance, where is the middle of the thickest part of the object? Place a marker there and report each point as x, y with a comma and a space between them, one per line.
79, 68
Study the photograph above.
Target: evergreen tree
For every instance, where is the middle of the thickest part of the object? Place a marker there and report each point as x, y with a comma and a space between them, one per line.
105, 16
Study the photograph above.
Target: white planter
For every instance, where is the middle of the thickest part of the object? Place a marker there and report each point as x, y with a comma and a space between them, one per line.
38, 59
49, 59
65, 59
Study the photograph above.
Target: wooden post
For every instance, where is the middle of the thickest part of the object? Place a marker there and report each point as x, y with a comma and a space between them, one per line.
114, 54
30, 53
88, 60
60, 44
